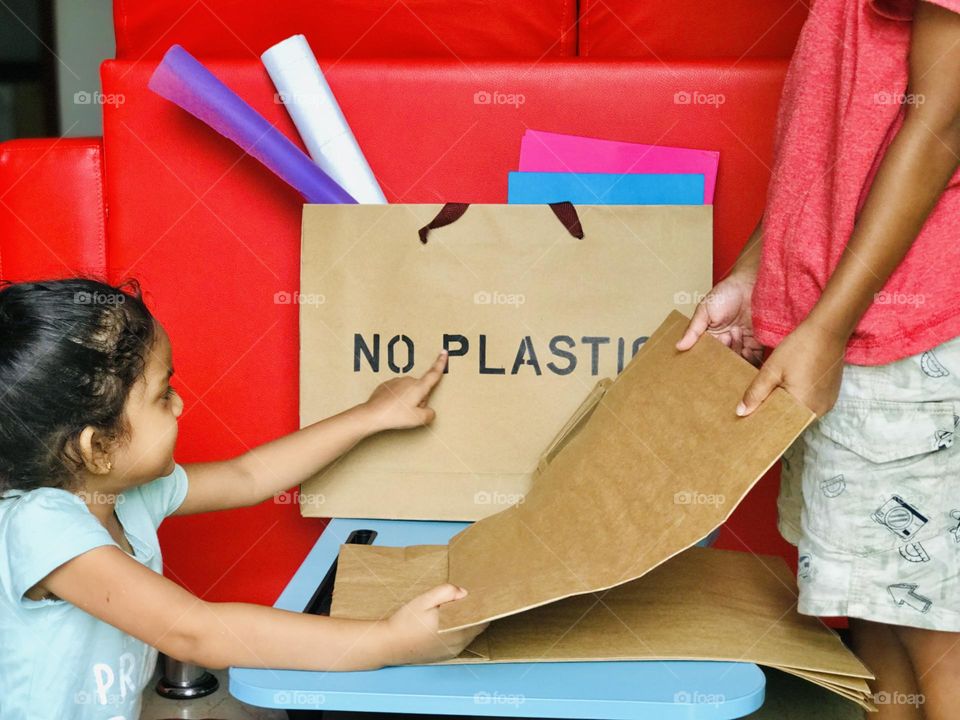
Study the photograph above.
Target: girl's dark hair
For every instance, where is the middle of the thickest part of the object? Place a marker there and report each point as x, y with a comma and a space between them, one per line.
70, 352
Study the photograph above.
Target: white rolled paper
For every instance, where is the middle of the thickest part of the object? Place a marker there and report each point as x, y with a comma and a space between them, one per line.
316, 114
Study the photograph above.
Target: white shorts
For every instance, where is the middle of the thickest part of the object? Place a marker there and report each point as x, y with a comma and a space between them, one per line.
870, 495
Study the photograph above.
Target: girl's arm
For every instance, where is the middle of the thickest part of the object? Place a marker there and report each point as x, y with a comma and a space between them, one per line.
112, 586
914, 171
278, 465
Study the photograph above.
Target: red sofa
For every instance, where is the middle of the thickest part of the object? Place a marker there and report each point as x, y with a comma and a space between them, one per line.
213, 236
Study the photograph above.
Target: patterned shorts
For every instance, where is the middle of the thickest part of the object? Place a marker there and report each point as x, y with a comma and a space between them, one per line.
870, 495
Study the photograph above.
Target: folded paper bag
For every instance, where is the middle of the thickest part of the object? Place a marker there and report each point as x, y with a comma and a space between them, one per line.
703, 604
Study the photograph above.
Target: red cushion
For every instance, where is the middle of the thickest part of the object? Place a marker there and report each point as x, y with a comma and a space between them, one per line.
349, 28
213, 235
690, 29
51, 208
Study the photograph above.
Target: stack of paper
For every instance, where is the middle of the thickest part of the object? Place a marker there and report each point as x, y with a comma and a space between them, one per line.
555, 167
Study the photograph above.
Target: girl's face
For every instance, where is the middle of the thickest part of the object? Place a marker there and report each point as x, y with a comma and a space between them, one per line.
152, 410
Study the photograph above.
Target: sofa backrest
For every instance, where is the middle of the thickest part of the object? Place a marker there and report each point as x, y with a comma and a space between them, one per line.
496, 29
670, 30
349, 28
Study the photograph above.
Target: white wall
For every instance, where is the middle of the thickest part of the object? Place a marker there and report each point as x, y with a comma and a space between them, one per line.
84, 35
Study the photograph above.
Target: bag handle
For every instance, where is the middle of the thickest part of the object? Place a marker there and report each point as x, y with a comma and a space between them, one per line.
573, 425
451, 212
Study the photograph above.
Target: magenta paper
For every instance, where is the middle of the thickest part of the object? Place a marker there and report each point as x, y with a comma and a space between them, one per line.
542, 151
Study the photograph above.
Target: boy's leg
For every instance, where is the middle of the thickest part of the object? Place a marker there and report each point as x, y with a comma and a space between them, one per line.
890, 662
879, 526
935, 656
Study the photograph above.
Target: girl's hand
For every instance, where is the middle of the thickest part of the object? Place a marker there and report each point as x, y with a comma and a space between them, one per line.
402, 402
725, 314
413, 631
808, 364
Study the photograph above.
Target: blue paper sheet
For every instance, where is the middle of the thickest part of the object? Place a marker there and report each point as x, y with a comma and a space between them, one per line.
605, 188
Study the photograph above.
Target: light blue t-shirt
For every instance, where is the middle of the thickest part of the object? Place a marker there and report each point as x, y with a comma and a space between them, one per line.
56, 660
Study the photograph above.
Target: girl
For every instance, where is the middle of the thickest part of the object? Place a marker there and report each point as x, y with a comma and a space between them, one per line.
88, 423
853, 275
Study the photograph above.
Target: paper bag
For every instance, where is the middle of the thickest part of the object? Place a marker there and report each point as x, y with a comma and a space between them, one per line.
532, 316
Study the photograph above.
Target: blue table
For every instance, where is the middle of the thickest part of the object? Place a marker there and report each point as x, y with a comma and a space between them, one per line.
604, 690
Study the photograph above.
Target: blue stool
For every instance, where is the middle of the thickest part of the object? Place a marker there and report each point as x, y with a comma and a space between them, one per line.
604, 690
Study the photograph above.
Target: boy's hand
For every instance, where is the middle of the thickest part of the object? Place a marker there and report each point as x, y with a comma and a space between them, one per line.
412, 631
725, 314
402, 402
808, 364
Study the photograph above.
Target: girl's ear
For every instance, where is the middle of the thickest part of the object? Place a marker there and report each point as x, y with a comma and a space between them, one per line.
94, 451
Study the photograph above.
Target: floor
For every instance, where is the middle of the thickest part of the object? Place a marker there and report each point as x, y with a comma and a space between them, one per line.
788, 698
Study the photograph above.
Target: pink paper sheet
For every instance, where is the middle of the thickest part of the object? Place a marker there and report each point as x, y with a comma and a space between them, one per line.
542, 151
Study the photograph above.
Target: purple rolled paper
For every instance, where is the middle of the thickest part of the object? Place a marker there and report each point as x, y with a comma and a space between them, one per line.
182, 80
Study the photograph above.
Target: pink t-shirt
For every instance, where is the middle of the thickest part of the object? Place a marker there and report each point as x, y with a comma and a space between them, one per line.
843, 102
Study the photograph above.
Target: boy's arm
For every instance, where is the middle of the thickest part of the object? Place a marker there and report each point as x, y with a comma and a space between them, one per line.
912, 175
725, 312
276, 466
915, 169
748, 261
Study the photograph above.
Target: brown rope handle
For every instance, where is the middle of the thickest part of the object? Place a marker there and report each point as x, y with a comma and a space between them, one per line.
451, 212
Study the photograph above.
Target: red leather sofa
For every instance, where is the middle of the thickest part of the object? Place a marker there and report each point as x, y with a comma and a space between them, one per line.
212, 235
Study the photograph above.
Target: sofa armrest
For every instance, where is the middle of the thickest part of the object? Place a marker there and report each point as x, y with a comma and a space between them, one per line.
52, 215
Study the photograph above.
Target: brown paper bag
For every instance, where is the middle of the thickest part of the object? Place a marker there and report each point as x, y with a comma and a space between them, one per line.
532, 316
